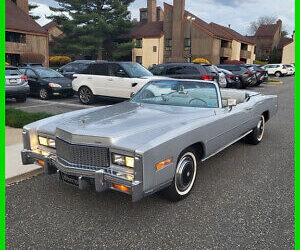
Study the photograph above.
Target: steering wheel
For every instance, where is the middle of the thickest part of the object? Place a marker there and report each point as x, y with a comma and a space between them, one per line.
199, 100
164, 96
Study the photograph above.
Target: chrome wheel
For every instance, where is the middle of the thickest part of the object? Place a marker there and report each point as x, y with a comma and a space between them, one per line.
85, 95
260, 128
185, 173
277, 74
44, 94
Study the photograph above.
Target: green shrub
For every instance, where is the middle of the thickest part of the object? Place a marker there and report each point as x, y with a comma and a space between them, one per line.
17, 119
260, 62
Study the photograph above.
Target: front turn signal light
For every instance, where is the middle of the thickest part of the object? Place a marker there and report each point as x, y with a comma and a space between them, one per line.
121, 188
164, 163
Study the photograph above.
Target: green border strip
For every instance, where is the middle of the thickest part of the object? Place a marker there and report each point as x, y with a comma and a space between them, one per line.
297, 134
2, 127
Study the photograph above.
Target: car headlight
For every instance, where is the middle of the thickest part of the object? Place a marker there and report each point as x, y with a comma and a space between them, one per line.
54, 85
123, 160
47, 142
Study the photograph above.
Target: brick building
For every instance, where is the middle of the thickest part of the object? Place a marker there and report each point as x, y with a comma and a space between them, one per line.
23, 35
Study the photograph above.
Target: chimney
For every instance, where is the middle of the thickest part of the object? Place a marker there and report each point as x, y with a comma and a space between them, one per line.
151, 9
177, 30
23, 5
279, 23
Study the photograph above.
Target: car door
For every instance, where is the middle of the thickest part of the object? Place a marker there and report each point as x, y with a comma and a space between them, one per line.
229, 125
119, 83
98, 78
33, 81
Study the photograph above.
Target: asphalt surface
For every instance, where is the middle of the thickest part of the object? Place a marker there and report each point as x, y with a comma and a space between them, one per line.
243, 198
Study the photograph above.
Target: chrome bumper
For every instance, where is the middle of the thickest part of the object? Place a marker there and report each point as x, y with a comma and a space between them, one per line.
102, 179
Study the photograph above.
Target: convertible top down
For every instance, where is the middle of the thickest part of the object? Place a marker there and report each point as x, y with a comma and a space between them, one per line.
155, 141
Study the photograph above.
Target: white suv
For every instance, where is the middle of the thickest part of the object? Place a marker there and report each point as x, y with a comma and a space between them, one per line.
111, 79
276, 69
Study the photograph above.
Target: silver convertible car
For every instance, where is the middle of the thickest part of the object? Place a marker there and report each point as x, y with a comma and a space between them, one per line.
153, 142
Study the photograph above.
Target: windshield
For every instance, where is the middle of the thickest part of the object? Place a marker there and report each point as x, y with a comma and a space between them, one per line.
179, 93
12, 72
135, 70
48, 73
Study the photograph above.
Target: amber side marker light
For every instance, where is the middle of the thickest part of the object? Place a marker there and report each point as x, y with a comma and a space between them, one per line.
164, 163
121, 187
40, 162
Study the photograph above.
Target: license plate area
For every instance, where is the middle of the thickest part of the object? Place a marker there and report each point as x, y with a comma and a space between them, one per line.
13, 81
69, 179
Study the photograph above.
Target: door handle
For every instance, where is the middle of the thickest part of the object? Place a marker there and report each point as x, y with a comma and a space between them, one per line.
249, 108
134, 84
90, 78
110, 79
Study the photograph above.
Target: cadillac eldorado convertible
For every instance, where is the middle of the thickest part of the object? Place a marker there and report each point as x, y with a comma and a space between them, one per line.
153, 142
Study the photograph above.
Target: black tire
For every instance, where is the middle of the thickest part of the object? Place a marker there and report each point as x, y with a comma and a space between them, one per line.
21, 98
44, 94
184, 178
278, 74
256, 136
86, 96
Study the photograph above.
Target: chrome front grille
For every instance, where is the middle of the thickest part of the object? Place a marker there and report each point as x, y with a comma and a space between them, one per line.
82, 156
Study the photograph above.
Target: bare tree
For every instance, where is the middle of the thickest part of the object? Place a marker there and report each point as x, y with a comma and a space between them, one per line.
253, 27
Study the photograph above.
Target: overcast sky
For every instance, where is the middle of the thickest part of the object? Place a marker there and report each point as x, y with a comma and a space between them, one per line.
237, 13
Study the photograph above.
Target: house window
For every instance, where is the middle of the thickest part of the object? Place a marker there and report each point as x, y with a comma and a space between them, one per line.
168, 44
187, 42
139, 59
15, 37
139, 43
144, 15
154, 48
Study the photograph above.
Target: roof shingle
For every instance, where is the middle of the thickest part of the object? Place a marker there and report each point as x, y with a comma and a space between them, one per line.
147, 30
232, 33
17, 19
266, 30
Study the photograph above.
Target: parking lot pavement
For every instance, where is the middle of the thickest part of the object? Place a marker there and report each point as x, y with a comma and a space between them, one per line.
55, 105
243, 198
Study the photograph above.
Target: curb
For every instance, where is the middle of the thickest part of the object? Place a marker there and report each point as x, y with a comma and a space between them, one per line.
22, 177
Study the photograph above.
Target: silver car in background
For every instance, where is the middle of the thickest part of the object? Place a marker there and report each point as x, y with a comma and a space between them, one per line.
16, 84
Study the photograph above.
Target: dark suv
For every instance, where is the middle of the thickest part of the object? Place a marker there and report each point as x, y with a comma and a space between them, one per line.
247, 77
186, 71
76, 67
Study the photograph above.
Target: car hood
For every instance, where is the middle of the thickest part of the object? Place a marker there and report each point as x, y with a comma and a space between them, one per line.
128, 125
63, 81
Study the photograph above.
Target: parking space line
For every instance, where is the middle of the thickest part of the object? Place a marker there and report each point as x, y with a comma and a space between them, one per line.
36, 106
76, 105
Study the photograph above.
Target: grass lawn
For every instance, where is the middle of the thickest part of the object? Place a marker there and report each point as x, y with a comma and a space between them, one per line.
16, 118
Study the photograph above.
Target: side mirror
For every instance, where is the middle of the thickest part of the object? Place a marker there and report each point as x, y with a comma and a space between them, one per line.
132, 94
231, 103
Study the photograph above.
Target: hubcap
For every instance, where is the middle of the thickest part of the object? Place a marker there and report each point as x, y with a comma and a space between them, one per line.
260, 128
85, 95
43, 93
185, 173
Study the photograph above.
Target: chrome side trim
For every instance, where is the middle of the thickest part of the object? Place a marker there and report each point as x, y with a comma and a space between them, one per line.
221, 149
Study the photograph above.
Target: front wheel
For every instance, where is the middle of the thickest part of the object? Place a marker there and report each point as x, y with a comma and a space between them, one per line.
44, 94
184, 178
86, 96
257, 134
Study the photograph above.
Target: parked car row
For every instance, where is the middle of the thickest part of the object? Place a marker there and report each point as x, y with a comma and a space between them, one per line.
90, 78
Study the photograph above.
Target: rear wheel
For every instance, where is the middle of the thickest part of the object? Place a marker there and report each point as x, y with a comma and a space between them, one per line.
86, 96
21, 98
184, 178
257, 134
278, 74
